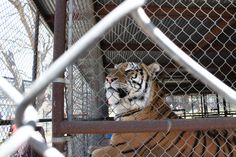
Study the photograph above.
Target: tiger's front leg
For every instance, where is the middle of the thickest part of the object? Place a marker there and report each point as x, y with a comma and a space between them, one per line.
123, 145
108, 151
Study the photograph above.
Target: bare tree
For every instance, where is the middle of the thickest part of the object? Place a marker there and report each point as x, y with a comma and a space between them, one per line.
28, 26
27, 20
9, 60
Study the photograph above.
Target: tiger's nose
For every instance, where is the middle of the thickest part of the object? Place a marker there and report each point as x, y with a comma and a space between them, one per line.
110, 79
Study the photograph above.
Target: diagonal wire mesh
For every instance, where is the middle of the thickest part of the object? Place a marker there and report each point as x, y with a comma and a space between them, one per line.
24, 112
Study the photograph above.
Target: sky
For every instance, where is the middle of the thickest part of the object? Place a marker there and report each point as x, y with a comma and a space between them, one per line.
13, 38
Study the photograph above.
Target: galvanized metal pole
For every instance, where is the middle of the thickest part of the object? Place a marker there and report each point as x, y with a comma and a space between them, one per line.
69, 109
70, 68
36, 39
225, 108
35, 59
217, 104
100, 127
58, 88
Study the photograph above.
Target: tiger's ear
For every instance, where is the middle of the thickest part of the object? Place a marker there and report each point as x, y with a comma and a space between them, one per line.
109, 70
117, 65
153, 69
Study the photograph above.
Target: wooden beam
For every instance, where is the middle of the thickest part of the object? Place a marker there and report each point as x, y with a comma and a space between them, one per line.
128, 46
48, 18
188, 48
212, 34
170, 12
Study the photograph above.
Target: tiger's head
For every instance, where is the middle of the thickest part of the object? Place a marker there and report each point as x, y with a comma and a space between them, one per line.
129, 86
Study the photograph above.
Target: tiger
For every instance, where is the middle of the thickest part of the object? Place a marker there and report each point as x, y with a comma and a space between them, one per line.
133, 93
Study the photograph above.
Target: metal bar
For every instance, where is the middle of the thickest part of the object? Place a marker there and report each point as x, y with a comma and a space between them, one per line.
218, 104
10, 91
78, 50
205, 112
26, 134
202, 104
20, 137
29, 117
58, 88
101, 127
35, 58
182, 58
38, 143
225, 108
36, 40
70, 105
69, 109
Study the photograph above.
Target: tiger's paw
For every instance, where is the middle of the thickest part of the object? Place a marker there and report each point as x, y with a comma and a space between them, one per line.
107, 151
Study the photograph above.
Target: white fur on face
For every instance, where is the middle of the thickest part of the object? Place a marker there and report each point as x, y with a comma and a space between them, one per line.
132, 66
112, 97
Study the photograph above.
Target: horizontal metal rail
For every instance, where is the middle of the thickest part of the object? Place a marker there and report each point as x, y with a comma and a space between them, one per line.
101, 127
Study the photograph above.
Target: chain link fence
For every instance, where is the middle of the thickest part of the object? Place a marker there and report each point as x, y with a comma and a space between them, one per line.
20, 27
15, 48
205, 30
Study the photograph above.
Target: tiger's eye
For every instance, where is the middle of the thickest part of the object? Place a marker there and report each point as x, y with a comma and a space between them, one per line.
127, 72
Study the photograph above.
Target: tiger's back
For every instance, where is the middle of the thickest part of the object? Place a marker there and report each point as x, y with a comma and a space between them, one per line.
133, 94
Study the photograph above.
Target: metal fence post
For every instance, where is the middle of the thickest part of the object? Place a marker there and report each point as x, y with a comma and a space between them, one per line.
36, 40
58, 88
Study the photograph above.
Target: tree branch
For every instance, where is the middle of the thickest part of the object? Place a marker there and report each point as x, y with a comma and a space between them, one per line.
20, 8
11, 66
